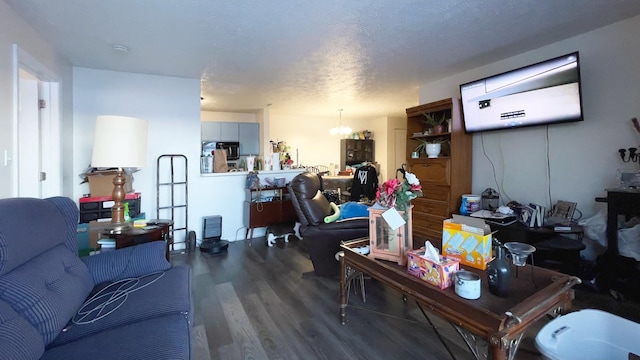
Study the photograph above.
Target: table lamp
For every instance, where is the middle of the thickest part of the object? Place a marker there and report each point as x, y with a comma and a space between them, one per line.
120, 142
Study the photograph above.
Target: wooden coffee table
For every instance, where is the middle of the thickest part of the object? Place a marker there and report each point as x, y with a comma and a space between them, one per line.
500, 322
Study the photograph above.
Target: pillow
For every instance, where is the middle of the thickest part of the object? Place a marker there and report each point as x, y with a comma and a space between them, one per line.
353, 209
336, 214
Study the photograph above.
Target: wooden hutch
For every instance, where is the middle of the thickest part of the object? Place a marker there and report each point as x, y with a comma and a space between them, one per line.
444, 179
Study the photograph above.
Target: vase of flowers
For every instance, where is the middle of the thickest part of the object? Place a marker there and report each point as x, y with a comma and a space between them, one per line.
398, 193
394, 195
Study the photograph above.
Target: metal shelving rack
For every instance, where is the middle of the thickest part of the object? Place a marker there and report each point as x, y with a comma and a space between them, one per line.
175, 202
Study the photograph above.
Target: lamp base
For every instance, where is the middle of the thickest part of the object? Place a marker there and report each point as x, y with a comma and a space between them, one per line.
117, 228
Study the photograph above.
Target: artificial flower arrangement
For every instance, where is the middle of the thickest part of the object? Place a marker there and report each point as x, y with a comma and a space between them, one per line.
282, 148
398, 194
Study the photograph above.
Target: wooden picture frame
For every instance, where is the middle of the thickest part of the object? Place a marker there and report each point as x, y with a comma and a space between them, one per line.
562, 212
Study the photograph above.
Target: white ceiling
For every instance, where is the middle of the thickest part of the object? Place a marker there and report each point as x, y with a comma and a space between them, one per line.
309, 58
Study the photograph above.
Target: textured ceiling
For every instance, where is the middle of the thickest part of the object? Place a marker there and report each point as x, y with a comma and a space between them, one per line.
309, 58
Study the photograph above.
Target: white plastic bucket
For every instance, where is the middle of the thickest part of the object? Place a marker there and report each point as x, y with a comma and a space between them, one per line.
588, 335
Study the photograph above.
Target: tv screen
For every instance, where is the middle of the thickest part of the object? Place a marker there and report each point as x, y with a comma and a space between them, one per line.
543, 93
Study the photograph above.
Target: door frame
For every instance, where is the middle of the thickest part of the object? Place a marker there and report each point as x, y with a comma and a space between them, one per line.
49, 135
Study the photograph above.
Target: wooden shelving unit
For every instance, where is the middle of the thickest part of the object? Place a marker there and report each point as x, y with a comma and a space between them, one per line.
444, 179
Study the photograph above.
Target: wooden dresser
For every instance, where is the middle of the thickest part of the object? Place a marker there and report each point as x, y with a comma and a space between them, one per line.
444, 179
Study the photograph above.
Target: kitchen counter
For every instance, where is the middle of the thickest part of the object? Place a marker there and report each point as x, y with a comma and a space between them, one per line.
225, 195
261, 173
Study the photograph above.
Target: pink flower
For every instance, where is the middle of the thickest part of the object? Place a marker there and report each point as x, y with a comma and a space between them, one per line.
395, 194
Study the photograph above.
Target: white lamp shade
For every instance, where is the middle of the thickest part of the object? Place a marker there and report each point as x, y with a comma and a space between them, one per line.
120, 141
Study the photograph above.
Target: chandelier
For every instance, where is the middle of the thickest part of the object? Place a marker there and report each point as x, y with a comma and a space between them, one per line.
340, 129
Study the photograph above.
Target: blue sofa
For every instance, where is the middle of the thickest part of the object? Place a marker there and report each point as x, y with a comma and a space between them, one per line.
123, 304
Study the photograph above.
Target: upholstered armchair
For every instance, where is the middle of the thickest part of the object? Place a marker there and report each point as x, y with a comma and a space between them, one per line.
322, 239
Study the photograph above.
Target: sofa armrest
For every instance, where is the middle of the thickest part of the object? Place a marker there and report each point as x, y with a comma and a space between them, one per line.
133, 261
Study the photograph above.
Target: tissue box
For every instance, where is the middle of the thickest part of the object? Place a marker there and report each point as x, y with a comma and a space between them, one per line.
468, 240
440, 275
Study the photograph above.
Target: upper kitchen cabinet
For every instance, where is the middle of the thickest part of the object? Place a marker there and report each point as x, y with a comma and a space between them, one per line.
249, 135
229, 131
210, 131
219, 131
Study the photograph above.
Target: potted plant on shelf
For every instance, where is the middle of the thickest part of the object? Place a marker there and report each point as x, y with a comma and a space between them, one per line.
431, 147
435, 123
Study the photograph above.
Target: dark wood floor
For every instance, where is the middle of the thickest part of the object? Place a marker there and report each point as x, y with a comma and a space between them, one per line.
257, 302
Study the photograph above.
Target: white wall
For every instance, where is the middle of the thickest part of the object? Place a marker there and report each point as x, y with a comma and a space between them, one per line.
583, 156
310, 136
14, 30
172, 107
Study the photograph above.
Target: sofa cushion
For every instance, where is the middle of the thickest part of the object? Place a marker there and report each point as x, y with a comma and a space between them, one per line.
131, 300
47, 290
19, 239
165, 337
132, 261
18, 338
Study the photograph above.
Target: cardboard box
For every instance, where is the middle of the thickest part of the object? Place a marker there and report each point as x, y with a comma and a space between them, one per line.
468, 240
101, 183
95, 227
440, 275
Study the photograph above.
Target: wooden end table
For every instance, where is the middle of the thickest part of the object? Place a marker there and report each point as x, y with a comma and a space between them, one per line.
156, 230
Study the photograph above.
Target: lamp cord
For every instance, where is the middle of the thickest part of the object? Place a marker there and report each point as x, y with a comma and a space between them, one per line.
95, 307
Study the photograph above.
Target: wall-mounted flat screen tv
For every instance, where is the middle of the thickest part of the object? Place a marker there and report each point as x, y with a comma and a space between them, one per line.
544, 93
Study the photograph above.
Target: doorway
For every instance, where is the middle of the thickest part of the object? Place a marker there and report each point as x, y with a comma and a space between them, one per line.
37, 171
399, 148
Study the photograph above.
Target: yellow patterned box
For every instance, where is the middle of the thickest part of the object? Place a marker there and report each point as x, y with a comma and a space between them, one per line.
468, 240
440, 275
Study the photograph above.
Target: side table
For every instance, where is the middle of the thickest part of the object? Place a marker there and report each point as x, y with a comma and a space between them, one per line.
155, 230
553, 250
265, 207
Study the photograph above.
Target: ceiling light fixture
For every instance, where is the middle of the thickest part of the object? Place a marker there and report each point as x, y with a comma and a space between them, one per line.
340, 130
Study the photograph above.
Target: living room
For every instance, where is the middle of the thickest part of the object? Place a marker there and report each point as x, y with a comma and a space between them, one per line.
540, 164
578, 170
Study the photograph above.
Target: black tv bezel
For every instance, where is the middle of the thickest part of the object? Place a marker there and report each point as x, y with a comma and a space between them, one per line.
548, 122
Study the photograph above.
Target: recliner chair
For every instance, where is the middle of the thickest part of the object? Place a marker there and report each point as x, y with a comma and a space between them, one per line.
322, 239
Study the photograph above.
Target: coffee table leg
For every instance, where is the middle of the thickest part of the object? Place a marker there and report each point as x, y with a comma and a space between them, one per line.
343, 293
